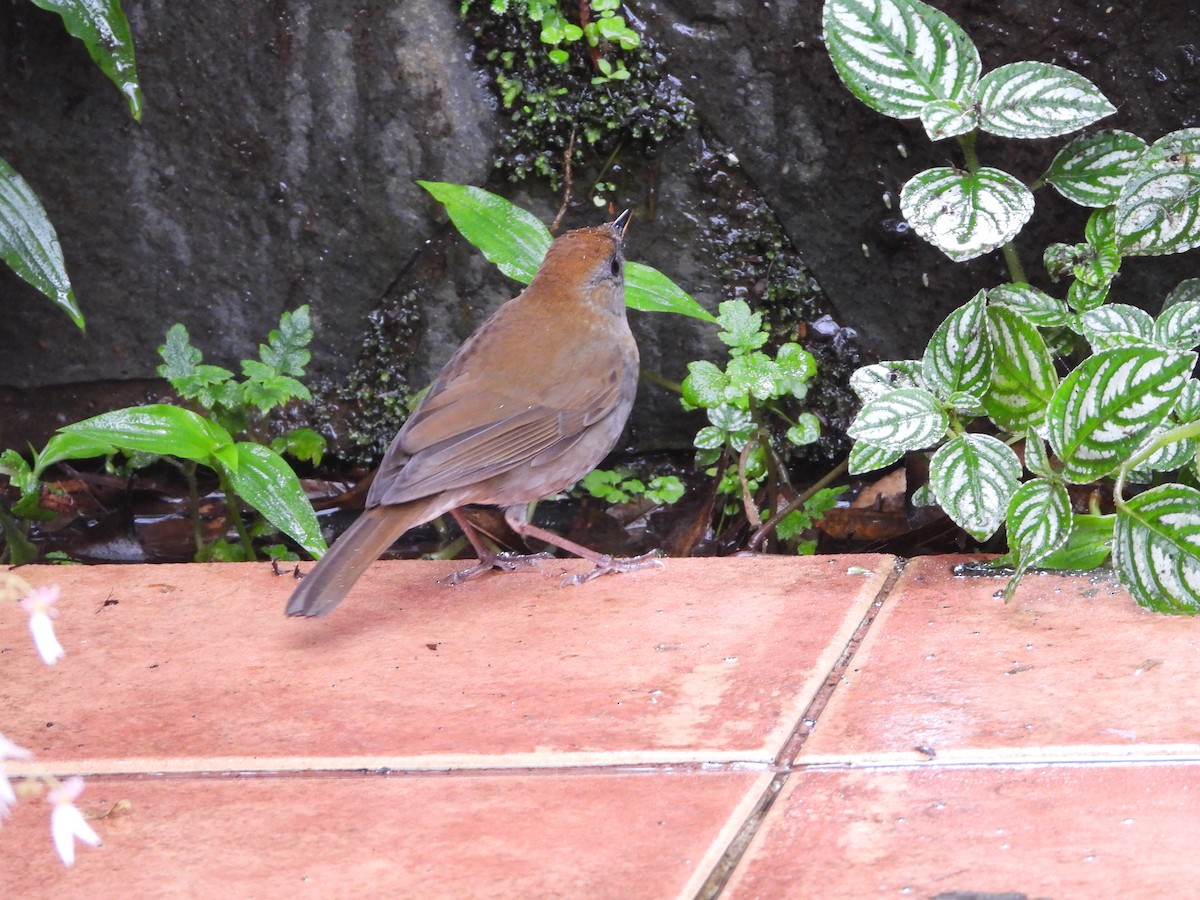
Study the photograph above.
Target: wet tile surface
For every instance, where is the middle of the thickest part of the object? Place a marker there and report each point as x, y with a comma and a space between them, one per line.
1060, 831
1070, 669
702, 659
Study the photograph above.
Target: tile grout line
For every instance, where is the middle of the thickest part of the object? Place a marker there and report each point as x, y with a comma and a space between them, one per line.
714, 885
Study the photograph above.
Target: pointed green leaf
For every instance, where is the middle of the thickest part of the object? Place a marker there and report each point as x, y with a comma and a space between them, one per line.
1188, 289
904, 419
898, 55
947, 118
1103, 410
959, 355
1088, 546
1168, 458
1178, 326
1023, 377
265, 481
966, 215
649, 290
104, 30
1188, 407
973, 477
29, 243
159, 428
1038, 519
1037, 460
1156, 548
1038, 100
1092, 168
869, 382
866, 457
1158, 210
1037, 306
1116, 325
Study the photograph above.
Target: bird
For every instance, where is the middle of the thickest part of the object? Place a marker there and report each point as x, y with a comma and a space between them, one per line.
527, 406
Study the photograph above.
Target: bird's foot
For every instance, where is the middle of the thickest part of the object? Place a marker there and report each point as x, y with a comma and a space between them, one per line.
608, 565
509, 562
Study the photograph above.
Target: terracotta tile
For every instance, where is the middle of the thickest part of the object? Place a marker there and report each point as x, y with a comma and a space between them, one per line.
1070, 669
1060, 831
195, 668
577, 835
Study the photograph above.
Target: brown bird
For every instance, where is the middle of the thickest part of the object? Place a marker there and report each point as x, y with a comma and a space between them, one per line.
531, 403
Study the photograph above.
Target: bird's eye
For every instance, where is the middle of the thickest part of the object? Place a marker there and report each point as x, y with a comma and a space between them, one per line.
616, 267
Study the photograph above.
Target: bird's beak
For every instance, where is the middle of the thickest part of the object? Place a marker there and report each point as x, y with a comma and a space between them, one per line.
621, 222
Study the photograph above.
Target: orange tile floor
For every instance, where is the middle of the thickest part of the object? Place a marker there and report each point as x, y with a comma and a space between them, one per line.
769, 727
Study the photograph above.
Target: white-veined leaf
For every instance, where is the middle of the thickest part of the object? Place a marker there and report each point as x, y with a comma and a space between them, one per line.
1169, 458
966, 215
1038, 100
1092, 168
973, 476
1188, 407
1158, 210
948, 118
1037, 306
1103, 410
1023, 376
1156, 548
904, 419
1037, 460
869, 382
898, 55
1116, 325
958, 358
1082, 296
1038, 519
1188, 289
1178, 326
865, 457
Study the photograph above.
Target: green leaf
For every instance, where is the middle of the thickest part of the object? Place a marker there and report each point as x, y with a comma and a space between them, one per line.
755, 374
904, 419
286, 350
1158, 210
1038, 100
1038, 520
1103, 410
806, 430
666, 489
104, 30
973, 477
1188, 407
265, 390
159, 429
265, 481
1082, 296
29, 243
959, 355
180, 358
1188, 289
649, 290
1023, 377
1156, 548
731, 420
710, 437
743, 329
65, 445
705, 386
1167, 458
867, 457
796, 369
896, 56
512, 238
1087, 547
966, 215
1092, 168
947, 118
1037, 460
301, 443
870, 382
1037, 306
1116, 325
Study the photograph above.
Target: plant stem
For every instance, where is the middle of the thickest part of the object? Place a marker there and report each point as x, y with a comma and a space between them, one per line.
769, 526
232, 504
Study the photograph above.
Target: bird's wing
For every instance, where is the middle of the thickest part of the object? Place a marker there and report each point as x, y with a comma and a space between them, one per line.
465, 432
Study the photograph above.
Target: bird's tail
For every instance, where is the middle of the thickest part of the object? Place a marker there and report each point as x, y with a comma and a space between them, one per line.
362, 543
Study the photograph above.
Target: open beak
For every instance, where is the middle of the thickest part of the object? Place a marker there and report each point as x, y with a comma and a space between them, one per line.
621, 222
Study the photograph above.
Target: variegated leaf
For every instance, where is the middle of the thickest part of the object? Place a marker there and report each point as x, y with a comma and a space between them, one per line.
1037, 306
1156, 548
1158, 210
1188, 289
866, 457
1169, 458
946, 119
1023, 376
1038, 519
973, 476
869, 382
1188, 407
1179, 326
1103, 410
1116, 325
1037, 461
904, 419
958, 358
966, 215
896, 56
1092, 168
1038, 100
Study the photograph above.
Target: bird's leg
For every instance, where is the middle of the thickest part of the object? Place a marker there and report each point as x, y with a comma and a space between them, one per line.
488, 558
518, 519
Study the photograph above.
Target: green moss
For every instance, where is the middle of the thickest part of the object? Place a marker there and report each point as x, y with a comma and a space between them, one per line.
614, 97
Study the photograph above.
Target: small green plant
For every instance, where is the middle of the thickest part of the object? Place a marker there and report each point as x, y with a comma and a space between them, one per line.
620, 486
246, 470
1127, 413
744, 403
28, 242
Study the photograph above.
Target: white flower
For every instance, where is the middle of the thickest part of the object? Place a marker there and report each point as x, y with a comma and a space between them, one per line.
40, 606
66, 822
8, 750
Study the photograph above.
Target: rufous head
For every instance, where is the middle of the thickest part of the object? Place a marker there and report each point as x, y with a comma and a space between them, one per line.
589, 260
